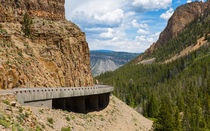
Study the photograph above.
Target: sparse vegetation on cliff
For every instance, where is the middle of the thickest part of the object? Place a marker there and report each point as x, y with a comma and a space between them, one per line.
26, 25
117, 116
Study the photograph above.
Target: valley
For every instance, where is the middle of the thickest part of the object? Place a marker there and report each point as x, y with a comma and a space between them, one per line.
170, 81
102, 61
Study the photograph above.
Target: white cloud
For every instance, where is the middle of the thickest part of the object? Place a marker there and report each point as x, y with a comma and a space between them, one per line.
108, 34
152, 4
111, 25
137, 25
142, 31
139, 44
95, 12
96, 29
114, 16
189, 1
167, 14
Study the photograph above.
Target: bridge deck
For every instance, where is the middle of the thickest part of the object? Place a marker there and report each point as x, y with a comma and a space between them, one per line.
36, 94
48, 96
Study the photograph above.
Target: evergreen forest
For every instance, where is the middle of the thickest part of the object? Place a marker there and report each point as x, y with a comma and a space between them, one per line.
175, 95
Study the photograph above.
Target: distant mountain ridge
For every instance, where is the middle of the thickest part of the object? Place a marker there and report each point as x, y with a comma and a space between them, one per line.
101, 50
107, 60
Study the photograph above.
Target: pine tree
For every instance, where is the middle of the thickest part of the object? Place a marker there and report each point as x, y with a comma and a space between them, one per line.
26, 25
165, 120
152, 107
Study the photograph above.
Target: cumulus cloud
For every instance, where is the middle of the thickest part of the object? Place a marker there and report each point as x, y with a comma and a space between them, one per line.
95, 12
112, 17
95, 29
142, 31
115, 24
167, 14
139, 44
108, 34
189, 1
138, 25
152, 4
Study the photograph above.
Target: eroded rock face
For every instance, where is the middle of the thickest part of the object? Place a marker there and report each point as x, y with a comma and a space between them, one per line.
11, 10
182, 16
55, 55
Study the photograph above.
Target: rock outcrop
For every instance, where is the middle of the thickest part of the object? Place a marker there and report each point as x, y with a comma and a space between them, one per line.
55, 54
182, 16
11, 10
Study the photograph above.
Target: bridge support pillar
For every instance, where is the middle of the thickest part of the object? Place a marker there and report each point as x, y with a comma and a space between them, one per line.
77, 104
92, 103
104, 100
59, 103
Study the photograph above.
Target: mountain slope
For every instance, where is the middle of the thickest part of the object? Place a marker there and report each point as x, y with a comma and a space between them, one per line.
172, 82
182, 17
184, 82
102, 61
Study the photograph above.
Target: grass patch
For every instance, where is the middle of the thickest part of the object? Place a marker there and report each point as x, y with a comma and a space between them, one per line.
152, 119
102, 119
65, 129
5, 123
6, 102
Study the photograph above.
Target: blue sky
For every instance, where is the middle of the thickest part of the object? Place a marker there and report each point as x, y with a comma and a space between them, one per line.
121, 25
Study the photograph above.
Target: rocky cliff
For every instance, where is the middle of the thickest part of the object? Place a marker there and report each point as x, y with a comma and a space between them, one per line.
182, 16
11, 10
55, 54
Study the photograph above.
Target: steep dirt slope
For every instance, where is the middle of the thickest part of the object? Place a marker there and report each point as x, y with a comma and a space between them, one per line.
201, 42
116, 117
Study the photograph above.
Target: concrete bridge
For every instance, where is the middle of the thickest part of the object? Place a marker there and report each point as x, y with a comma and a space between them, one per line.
76, 99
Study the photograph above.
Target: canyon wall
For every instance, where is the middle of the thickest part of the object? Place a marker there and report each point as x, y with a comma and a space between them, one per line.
11, 10
55, 54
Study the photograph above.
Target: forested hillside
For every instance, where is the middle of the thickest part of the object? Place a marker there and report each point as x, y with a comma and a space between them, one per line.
176, 94
195, 30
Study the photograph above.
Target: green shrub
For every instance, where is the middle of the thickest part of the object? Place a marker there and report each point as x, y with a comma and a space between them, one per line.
67, 118
50, 120
20, 54
41, 111
20, 109
102, 119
